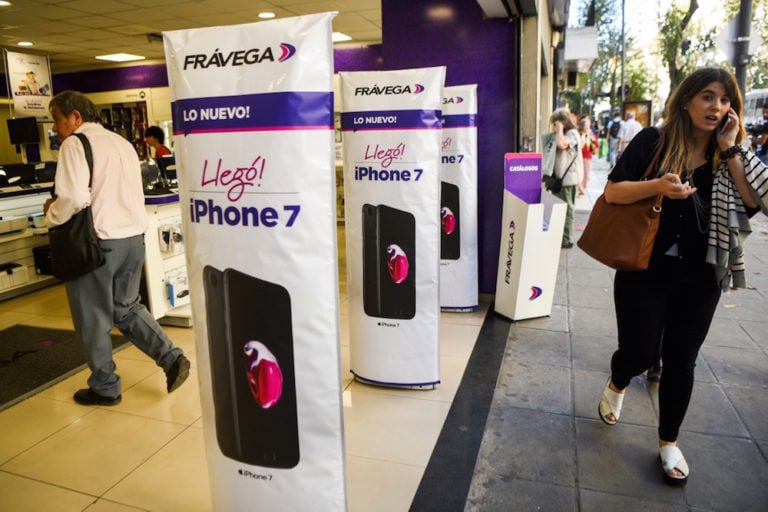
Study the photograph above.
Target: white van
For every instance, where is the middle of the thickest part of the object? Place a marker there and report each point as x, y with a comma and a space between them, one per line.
753, 107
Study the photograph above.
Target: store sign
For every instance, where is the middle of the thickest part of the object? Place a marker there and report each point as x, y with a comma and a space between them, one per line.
458, 199
29, 79
391, 132
253, 130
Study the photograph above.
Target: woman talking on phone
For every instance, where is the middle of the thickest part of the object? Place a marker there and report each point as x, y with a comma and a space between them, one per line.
703, 173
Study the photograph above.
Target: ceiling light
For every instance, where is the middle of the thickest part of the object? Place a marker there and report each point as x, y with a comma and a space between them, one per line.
120, 57
440, 13
3, 3
339, 37
24, 43
266, 15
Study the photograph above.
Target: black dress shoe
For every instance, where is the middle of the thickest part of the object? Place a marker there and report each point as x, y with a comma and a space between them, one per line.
88, 396
178, 373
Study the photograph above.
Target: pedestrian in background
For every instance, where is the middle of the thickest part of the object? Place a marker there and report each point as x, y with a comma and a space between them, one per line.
613, 126
109, 295
568, 164
628, 130
678, 294
589, 147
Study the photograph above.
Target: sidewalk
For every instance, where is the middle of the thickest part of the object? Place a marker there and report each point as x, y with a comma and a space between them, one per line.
544, 446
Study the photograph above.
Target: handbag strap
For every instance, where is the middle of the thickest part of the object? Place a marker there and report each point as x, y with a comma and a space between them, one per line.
570, 164
656, 156
652, 166
88, 155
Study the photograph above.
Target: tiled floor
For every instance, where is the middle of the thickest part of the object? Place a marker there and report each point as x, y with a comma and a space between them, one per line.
147, 452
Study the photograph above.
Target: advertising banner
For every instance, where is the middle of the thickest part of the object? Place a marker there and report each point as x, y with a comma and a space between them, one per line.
29, 83
458, 200
391, 130
253, 123
531, 233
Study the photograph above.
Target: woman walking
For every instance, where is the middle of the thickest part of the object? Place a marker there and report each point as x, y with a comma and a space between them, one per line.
678, 294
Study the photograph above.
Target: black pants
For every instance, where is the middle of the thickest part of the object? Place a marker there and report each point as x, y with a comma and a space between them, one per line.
678, 301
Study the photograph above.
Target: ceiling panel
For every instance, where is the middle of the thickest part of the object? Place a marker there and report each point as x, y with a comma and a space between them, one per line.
73, 32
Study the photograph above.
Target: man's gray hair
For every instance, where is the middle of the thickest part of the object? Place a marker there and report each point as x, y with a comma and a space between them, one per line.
69, 101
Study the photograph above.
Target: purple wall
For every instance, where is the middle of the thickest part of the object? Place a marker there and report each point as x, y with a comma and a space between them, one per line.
366, 58
112, 79
474, 50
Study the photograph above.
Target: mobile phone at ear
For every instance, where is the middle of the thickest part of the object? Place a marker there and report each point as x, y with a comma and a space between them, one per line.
723, 124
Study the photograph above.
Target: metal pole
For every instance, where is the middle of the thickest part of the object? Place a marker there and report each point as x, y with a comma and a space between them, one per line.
741, 44
622, 54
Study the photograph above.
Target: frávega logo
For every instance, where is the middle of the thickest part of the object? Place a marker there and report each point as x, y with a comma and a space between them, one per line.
535, 293
456, 100
510, 251
220, 59
378, 90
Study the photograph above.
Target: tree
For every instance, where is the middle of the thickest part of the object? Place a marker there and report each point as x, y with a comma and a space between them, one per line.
605, 76
672, 34
757, 71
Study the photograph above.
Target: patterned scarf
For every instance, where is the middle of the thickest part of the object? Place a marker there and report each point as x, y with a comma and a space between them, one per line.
729, 224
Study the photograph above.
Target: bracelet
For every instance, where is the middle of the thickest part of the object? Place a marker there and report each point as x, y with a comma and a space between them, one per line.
730, 152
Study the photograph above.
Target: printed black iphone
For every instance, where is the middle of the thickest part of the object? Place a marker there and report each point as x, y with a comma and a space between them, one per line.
389, 262
450, 233
219, 355
259, 410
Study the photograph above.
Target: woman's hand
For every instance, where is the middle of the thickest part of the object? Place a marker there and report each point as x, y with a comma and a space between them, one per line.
672, 187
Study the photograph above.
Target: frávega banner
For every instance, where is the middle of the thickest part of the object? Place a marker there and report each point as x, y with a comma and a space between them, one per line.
458, 199
390, 124
253, 119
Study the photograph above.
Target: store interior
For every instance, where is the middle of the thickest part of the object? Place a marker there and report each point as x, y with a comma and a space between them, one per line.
148, 453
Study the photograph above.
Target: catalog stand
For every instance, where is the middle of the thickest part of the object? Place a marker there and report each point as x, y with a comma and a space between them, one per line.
531, 235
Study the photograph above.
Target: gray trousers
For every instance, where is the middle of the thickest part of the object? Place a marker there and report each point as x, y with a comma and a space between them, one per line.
107, 297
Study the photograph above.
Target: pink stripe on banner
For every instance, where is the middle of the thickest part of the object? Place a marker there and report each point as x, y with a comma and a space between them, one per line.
258, 129
395, 129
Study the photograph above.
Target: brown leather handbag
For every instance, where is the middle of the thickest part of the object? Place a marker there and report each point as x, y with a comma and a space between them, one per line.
622, 235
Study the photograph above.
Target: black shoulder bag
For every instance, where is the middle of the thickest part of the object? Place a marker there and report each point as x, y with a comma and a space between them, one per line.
75, 249
554, 184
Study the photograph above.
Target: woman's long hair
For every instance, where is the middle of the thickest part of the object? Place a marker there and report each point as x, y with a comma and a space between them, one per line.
677, 124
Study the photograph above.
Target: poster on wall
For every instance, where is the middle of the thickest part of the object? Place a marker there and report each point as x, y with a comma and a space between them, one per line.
458, 199
29, 84
252, 112
391, 131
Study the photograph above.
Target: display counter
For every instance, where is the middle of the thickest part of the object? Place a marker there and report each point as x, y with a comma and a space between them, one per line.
165, 274
165, 268
19, 205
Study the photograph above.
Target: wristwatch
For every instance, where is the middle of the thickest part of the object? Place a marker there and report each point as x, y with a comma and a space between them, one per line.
730, 152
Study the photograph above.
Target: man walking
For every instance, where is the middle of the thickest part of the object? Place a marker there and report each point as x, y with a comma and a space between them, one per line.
628, 130
108, 295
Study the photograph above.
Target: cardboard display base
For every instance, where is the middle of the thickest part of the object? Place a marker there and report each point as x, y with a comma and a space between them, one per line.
531, 235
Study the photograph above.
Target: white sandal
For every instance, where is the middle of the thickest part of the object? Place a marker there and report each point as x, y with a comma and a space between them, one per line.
672, 459
610, 403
